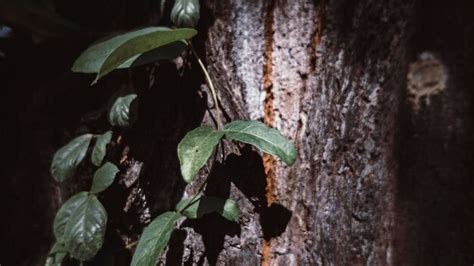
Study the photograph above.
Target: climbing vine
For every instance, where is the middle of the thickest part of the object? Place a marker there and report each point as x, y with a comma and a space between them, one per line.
80, 224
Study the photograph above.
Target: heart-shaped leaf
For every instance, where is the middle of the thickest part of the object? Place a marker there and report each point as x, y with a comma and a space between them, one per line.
120, 113
100, 148
185, 13
196, 208
85, 230
56, 255
154, 239
141, 44
64, 214
66, 159
91, 60
104, 177
195, 149
266, 139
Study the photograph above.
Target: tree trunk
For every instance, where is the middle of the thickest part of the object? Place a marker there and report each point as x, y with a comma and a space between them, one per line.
330, 76
375, 95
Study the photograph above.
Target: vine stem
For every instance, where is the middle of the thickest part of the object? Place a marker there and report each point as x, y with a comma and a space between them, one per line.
210, 84
131, 245
194, 198
219, 127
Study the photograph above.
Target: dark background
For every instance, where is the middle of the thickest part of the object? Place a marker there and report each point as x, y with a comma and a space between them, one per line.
43, 104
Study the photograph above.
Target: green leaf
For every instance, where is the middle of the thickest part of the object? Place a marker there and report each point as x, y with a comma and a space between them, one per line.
100, 148
104, 177
66, 159
65, 212
80, 225
168, 51
91, 60
185, 13
119, 114
195, 149
154, 239
267, 139
56, 255
205, 204
141, 44
85, 230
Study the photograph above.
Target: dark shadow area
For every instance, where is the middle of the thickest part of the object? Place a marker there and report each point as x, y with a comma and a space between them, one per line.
274, 220
45, 106
213, 228
246, 172
43, 109
112, 253
166, 112
435, 184
174, 256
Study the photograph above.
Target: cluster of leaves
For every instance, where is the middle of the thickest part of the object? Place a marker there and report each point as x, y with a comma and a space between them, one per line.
197, 146
194, 151
80, 224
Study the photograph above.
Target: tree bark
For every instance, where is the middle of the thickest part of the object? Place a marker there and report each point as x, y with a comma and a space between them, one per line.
330, 76
375, 95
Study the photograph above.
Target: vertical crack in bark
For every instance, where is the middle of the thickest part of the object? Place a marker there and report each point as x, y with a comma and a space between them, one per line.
316, 38
269, 116
314, 42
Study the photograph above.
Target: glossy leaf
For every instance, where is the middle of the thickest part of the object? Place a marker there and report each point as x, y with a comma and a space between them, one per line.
205, 204
56, 255
185, 13
85, 230
141, 44
266, 139
195, 149
154, 239
92, 59
66, 159
168, 51
100, 148
104, 177
120, 114
64, 214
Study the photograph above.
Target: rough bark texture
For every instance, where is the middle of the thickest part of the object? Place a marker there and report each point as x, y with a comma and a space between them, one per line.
329, 75
375, 95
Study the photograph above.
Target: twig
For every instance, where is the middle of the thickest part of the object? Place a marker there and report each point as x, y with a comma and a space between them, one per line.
210, 84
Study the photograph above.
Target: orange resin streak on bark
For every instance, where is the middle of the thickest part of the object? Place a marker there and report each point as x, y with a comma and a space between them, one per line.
269, 117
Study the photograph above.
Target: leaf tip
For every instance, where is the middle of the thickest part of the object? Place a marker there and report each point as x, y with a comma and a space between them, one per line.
187, 177
95, 80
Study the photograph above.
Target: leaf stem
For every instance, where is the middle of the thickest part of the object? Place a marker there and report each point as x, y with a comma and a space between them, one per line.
131, 245
194, 198
210, 84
